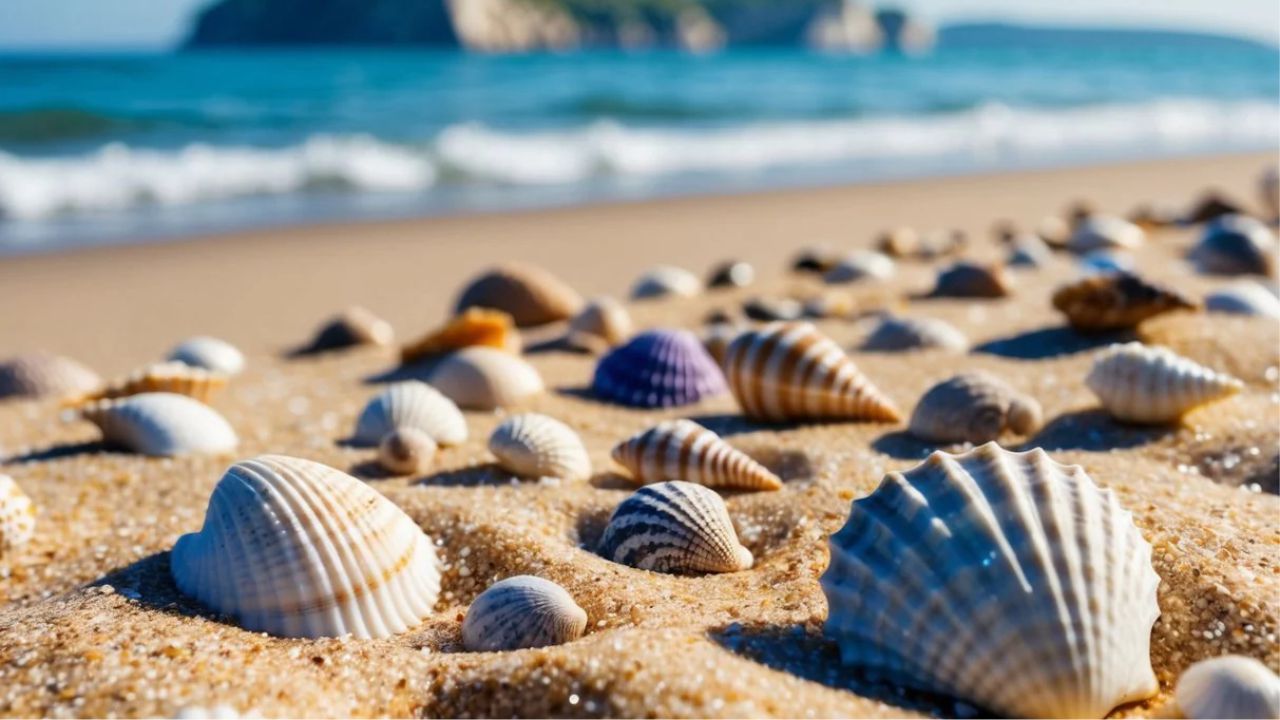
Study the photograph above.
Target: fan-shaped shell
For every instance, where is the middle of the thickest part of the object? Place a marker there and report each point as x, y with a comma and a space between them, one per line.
969, 279
473, 327
1231, 686
522, 612
529, 294
1244, 298
1235, 244
1144, 384
731, 274
767, 309
535, 446
666, 281
297, 549
167, 377
1115, 301
410, 404
684, 450
37, 375
17, 515
161, 424
790, 371
860, 265
406, 451
898, 334
974, 407
350, 328
1004, 579
674, 527
604, 318
481, 378
658, 368
209, 353
1102, 232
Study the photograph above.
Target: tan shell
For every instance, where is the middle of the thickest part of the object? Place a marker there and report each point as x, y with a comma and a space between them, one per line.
481, 378
39, 375
684, 450
901, 334
1153, 385
209, 353
406, 451
1231, 686
974, 407
350, 328
522, 612
1115, 301
169, 377
967, 279
473, 327
1101, 232
536, 446
604, 318
529, 294
666, 281
17, 516
674, 527
161, 424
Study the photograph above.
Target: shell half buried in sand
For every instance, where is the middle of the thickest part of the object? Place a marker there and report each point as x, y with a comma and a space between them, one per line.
352, 327
973, 280
294, 548
902, 334
522, 612
17, 516
410, 404
674, 527
1153, 385
658, 368
42, 375
1115, 301
1102, 232
1004, 579
167, 377
529, 294
481, 378
161, 425
666, 281
209, 353
974, 407
1231, 686
684, 450
536, 446
474, 327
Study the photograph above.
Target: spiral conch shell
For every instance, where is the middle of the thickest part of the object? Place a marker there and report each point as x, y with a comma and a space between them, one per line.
410, 404
1004, 579
674, 527
684, 450
170, 377
297, 549
482, 378
1115, 301
529, 294
535, 446
973, 407
1231, 686
17, 515
161, 425
522, 612
40, 374
209, 353
1144, 384
477, 326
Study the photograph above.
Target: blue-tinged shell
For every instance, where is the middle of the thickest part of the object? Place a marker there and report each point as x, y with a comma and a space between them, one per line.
659, 368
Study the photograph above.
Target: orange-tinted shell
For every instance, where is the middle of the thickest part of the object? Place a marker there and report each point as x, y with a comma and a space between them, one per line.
1115, 301
476, 326
529, 294
166, 377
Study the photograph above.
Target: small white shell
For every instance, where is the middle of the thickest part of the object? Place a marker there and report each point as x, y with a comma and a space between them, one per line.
522, 612
210, 354
406, 451
410, 404
535, 446
860, 265
40, 374
481, 378
17, 515
604, 318
901, 334
1102, 232
1144, 384
161, 424
975, 407
1235, 244
684, 450
1244, 298
666, 281
1231, 686
674, 527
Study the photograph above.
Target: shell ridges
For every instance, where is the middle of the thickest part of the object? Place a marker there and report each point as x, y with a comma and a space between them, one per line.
161, 424
1149, 384
410, 404
519, 612
684, 450
658, 368
674, 527
535, 446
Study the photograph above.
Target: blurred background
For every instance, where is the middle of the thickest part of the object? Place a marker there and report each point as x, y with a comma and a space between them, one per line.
124, 120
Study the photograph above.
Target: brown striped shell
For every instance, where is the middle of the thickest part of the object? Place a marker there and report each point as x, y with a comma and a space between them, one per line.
40, 374
478, 327
1115, 301
529, 294
969, 279
684, 450
168, 377
975, 407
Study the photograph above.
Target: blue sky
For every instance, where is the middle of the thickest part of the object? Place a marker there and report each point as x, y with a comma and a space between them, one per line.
160, 23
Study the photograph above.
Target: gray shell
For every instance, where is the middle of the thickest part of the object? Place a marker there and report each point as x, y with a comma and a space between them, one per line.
974, 407
674, 527
1234, 245
210, 354
37, 375
1244, 298
161, 424
414, 404
522, 612
1231, 686
897, 334
1102, 232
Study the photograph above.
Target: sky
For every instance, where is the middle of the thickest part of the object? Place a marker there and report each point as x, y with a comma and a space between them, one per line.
161, 23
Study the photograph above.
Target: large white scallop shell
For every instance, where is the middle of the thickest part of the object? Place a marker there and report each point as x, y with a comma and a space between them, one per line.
17, 515
674, 527
1231, 686
522, 612
209, 353
666, 281
481, 378
684, 450
161, 424
298, 549
40, 374
1244, 298
1146, 384
1004, 579
535, 446
1102, 232
410, 404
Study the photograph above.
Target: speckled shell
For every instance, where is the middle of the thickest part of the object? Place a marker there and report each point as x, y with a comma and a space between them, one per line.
161, 425
481, 378
1235, 245
968, 279
412, 404
604, 318
529, 294
766, 309
658, 368
674, 527
294, 548
350, 328
684, 450
731, 274
1244, 298
899, 334
168, 377
1115, 301
666, 281
1231, 686
406, 451
1101, 232
522, 612
40, 375
790, 371
535, 446
860, 265
1143, 384
17, 516
210, 354
1004, 579
473, 327
974, 407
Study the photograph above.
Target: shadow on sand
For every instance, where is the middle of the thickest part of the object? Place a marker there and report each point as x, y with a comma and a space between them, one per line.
64, 450
1094, 430
1050, 342
149, 583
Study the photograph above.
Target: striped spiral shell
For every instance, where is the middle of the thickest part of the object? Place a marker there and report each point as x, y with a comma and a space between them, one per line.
901, 334
674, 527
684, 450
666, 281
210, 354
1115, 301
1231, 686
529, 294
1152, 385
536, 446
974, 407
167, 377
350, 328
410, 404
161, 425
406, 451
17, 515
40, 375
479, 327
522, 612
481, 378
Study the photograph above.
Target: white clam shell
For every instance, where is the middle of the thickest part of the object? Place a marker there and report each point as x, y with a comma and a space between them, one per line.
161, 424
17, 515
1104, 232
1244, 298
535, 446
209, 353
666, 281
522, 612
684, 450
860, 265
1004, 579
410, 404
1231, 686
298, 549
481, 378
1144, 384
405, 451
900, 334
674, 527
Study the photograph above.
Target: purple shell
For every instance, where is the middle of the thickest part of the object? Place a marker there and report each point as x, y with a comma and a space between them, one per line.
659, 368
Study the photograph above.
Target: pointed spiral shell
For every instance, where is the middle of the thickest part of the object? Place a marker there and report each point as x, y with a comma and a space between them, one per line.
684, 450
161, 424
522, 612
1145, 384
674, 527
1115, 301
535, 446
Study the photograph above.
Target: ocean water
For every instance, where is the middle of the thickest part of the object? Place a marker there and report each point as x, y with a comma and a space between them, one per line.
128, 147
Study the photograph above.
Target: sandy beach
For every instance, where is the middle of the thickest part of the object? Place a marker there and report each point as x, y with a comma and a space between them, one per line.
91, 623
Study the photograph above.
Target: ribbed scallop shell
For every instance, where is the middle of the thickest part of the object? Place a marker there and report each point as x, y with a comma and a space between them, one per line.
210, 354
860, 265
406, 451
666, 281
481, 378
529, 294
294, 548
350, 328
167, 377
1231, 686
1101, 232
17, 515
684, 450
1004, 579
1143, 384
1115, 301
1244, 298
412, 404
790, 371
535, 446
969, 279
1235, 244
974, 407
659, 368
161, 425
604, 318
473, 327
900, 334
731, 274
674, 527
38, 375
522, 612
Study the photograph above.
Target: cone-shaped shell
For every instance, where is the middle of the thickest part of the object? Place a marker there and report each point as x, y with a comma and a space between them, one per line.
666, 281
969, 279
974, 407
1231, 686
210, 354
659, 368
294, 548
1115, 301
674, 527
522, 612
535, 446
1143, 384
900, 334
406, 451
350, 328
161, 425
1003, 579
38, 375
860, 265
477, 326
604, 318
17, 515
481, 378
732, 273
790, 371
684, 450
1236, 244
1102, 232
410, 404
1244, 298
529, 294
168, 377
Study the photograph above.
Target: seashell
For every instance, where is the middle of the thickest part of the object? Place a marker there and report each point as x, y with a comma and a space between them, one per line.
1231, 686
1244, 298
166, 377
731, 274
1269, 190
528, 293
674, 527
1235, 245
1143, 384
294, 548
39, 374
941, 243
1152, 217
473, 327
770, 309
658, 368
1105, 261
1115, 301
537, 446
813, 260
350, 328
1211, 206
1103, 232
967, 279
666, 281
684, 450
974, 407
860, 265
831, 305
481, 378
410, 404
1054, 231
522, 612
161, 425
17, 516
1027, 251
716, 339
900, 242
790, 371
1003, 579
603, 318
210, 354
898, 334
406, 451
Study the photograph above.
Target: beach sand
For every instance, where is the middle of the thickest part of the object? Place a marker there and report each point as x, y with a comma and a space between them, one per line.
91, 624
